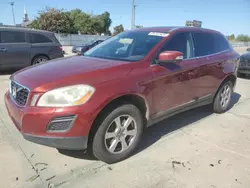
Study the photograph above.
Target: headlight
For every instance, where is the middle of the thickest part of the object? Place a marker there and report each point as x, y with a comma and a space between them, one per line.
10, 88
66, 96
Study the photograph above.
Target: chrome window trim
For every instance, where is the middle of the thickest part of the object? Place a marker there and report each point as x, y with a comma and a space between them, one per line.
24, 88
210, 54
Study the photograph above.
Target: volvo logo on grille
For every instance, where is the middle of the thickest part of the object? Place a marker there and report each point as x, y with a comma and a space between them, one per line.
14, 92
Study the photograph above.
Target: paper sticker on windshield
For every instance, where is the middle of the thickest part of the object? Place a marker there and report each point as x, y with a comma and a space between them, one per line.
126, 40
158, 34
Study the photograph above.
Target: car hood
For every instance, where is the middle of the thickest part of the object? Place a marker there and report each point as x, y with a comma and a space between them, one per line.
246, 56
70, 71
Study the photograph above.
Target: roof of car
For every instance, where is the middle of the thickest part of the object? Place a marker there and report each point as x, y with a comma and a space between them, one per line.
23, 29
173, 28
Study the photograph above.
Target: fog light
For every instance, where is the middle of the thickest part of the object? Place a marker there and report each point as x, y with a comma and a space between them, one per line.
61, 124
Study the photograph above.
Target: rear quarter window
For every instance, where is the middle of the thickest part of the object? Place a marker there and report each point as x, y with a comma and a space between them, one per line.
39, 38
221, 43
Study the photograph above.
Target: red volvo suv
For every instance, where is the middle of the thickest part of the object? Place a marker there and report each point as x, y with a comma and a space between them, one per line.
104, 99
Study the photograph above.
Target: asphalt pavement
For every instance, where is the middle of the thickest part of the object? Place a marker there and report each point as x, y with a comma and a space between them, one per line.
195, 149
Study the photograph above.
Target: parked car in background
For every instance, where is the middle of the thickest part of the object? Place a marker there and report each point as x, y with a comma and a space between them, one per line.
105, 99
80, 49
21, 47
244, 65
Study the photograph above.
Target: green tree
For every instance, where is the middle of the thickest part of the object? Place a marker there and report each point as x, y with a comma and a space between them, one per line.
231, 37
104, 21
243, 38
81, 21
54, 20
72, 22
118, 29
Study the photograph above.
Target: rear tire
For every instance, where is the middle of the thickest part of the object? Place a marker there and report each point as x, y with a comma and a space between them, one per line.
39, 59
222, 99
118, 135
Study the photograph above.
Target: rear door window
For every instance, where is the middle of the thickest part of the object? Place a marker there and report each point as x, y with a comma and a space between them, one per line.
39, 38
204, 44
13, 37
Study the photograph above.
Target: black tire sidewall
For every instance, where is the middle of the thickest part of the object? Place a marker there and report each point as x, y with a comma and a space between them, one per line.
38, 57
217, 106
98, 146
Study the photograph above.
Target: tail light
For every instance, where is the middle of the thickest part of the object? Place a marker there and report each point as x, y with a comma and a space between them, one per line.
61, 49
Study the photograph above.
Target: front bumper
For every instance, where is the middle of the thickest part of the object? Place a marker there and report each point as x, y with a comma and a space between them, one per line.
32, 122
71, 143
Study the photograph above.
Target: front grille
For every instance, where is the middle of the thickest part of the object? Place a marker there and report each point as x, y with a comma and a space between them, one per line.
244, 62
19, 93
61, 124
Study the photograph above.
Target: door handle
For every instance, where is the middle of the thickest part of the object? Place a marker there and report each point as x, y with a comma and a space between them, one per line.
3, 50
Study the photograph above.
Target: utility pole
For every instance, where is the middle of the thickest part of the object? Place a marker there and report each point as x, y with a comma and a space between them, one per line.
12, 5
133, 15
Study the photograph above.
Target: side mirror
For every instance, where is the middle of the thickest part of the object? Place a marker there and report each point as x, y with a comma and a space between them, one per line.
170, 57
248, 49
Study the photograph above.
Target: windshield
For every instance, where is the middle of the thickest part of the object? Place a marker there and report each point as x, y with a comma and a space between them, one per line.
88, 43
127, 46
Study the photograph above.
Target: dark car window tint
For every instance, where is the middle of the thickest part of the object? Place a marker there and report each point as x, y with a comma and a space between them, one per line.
204, 44
181, 42
221, 43
38, 38
12, 37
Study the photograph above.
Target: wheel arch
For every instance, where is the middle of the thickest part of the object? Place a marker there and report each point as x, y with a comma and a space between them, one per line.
230, 77
139, 101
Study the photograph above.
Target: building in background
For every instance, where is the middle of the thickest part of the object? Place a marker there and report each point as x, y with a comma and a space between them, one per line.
24, 23
194, 23
26, 20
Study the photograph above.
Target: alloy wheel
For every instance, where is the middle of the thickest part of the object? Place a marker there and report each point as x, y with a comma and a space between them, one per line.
225, 96
120, 134
40, 60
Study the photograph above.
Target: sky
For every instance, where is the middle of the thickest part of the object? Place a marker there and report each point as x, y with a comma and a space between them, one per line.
226, 16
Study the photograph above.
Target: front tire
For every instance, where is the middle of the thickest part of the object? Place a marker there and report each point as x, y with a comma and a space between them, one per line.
223, 98
118, 135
